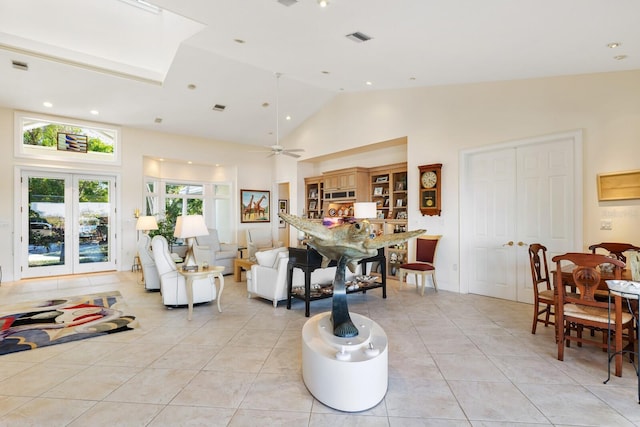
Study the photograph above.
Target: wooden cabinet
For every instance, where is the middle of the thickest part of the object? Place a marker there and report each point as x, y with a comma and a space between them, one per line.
314, 188
342, 188
345, 179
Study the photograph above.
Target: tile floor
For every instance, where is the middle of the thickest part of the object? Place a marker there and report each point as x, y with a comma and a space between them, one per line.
454, 360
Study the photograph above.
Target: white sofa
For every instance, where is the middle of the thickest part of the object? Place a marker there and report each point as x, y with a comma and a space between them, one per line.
209, 249
268, 278
149, 270
172, 283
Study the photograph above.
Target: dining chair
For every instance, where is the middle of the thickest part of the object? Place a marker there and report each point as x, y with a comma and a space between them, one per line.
575, 312
425, 262
542, 290
617, 249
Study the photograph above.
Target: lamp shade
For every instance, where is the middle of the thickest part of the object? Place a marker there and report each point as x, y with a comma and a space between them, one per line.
146, 223
190, 226
364, 210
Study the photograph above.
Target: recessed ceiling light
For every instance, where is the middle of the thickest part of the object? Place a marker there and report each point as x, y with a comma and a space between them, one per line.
47, 104
412, 78
265, 104
190, 162
614, 45
369, 83
326, 72
239, 41
323, 3
219, 107
94, 112
288, 117
620, 57
191, 86
158, 120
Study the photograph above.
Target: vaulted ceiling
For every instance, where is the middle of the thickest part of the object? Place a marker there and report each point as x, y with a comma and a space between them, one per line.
174, 70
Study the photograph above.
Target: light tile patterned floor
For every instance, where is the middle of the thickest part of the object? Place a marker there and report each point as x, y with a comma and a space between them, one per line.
454, 360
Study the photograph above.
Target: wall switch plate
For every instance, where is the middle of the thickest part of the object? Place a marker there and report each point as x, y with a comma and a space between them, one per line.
605, 224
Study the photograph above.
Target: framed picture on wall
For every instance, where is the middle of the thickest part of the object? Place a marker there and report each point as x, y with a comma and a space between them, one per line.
255, 206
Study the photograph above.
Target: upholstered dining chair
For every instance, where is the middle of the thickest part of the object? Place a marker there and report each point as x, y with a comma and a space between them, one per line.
542, 290
425, 264
612, 248
580, 311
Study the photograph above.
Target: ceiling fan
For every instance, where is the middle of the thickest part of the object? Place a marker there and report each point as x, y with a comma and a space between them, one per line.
277, 149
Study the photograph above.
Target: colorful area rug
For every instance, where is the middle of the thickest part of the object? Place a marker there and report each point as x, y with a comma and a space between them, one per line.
30, 325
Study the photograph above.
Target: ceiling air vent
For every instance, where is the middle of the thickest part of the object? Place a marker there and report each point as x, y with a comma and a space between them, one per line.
358, 37
219, 107
288, 2
20, 65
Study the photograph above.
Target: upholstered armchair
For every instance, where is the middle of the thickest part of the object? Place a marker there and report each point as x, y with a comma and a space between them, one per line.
259, 239
149, 271
268, 278
209, 249
172, 283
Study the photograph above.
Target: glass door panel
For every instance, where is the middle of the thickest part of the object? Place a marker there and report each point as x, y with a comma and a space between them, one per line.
46, 252
92, 199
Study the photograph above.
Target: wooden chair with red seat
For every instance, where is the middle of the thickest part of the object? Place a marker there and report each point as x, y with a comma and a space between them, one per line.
425, 262
617, 249
577, 312
542, 290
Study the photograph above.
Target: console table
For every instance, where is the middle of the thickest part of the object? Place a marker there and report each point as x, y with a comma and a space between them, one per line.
308, 260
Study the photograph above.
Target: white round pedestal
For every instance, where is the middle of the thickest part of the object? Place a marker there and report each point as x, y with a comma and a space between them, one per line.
347, 374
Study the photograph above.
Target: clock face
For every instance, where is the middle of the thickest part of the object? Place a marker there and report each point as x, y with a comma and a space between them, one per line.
428, 179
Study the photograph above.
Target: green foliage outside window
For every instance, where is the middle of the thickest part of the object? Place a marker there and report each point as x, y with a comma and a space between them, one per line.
47, 136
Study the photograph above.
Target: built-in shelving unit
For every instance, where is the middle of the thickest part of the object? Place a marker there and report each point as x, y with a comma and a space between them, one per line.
333, 194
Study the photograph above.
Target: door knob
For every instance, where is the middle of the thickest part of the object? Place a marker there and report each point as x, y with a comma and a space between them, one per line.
509, 243
522, 244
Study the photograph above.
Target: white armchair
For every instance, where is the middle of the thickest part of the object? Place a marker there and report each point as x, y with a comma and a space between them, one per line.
209, 249
172, 283
259, 239
149, 271
268, 278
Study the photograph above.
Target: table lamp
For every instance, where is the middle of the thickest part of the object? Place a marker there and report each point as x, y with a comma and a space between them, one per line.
188, 227
364, 211
146, 223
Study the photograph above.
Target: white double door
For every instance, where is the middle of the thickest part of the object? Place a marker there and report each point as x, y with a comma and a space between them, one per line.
511, 196
68, 223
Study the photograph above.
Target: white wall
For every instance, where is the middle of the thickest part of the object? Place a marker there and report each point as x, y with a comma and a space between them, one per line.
439, 122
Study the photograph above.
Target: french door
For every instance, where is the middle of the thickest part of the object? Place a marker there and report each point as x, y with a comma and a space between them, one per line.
68, 223
529, 192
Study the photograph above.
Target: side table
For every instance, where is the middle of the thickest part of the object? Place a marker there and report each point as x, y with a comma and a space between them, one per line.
240, 264
212, 273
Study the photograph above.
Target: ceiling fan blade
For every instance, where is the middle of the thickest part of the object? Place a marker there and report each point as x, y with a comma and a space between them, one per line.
288, 153
292, 150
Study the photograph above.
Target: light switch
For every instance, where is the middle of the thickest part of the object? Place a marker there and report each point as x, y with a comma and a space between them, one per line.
605, 224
